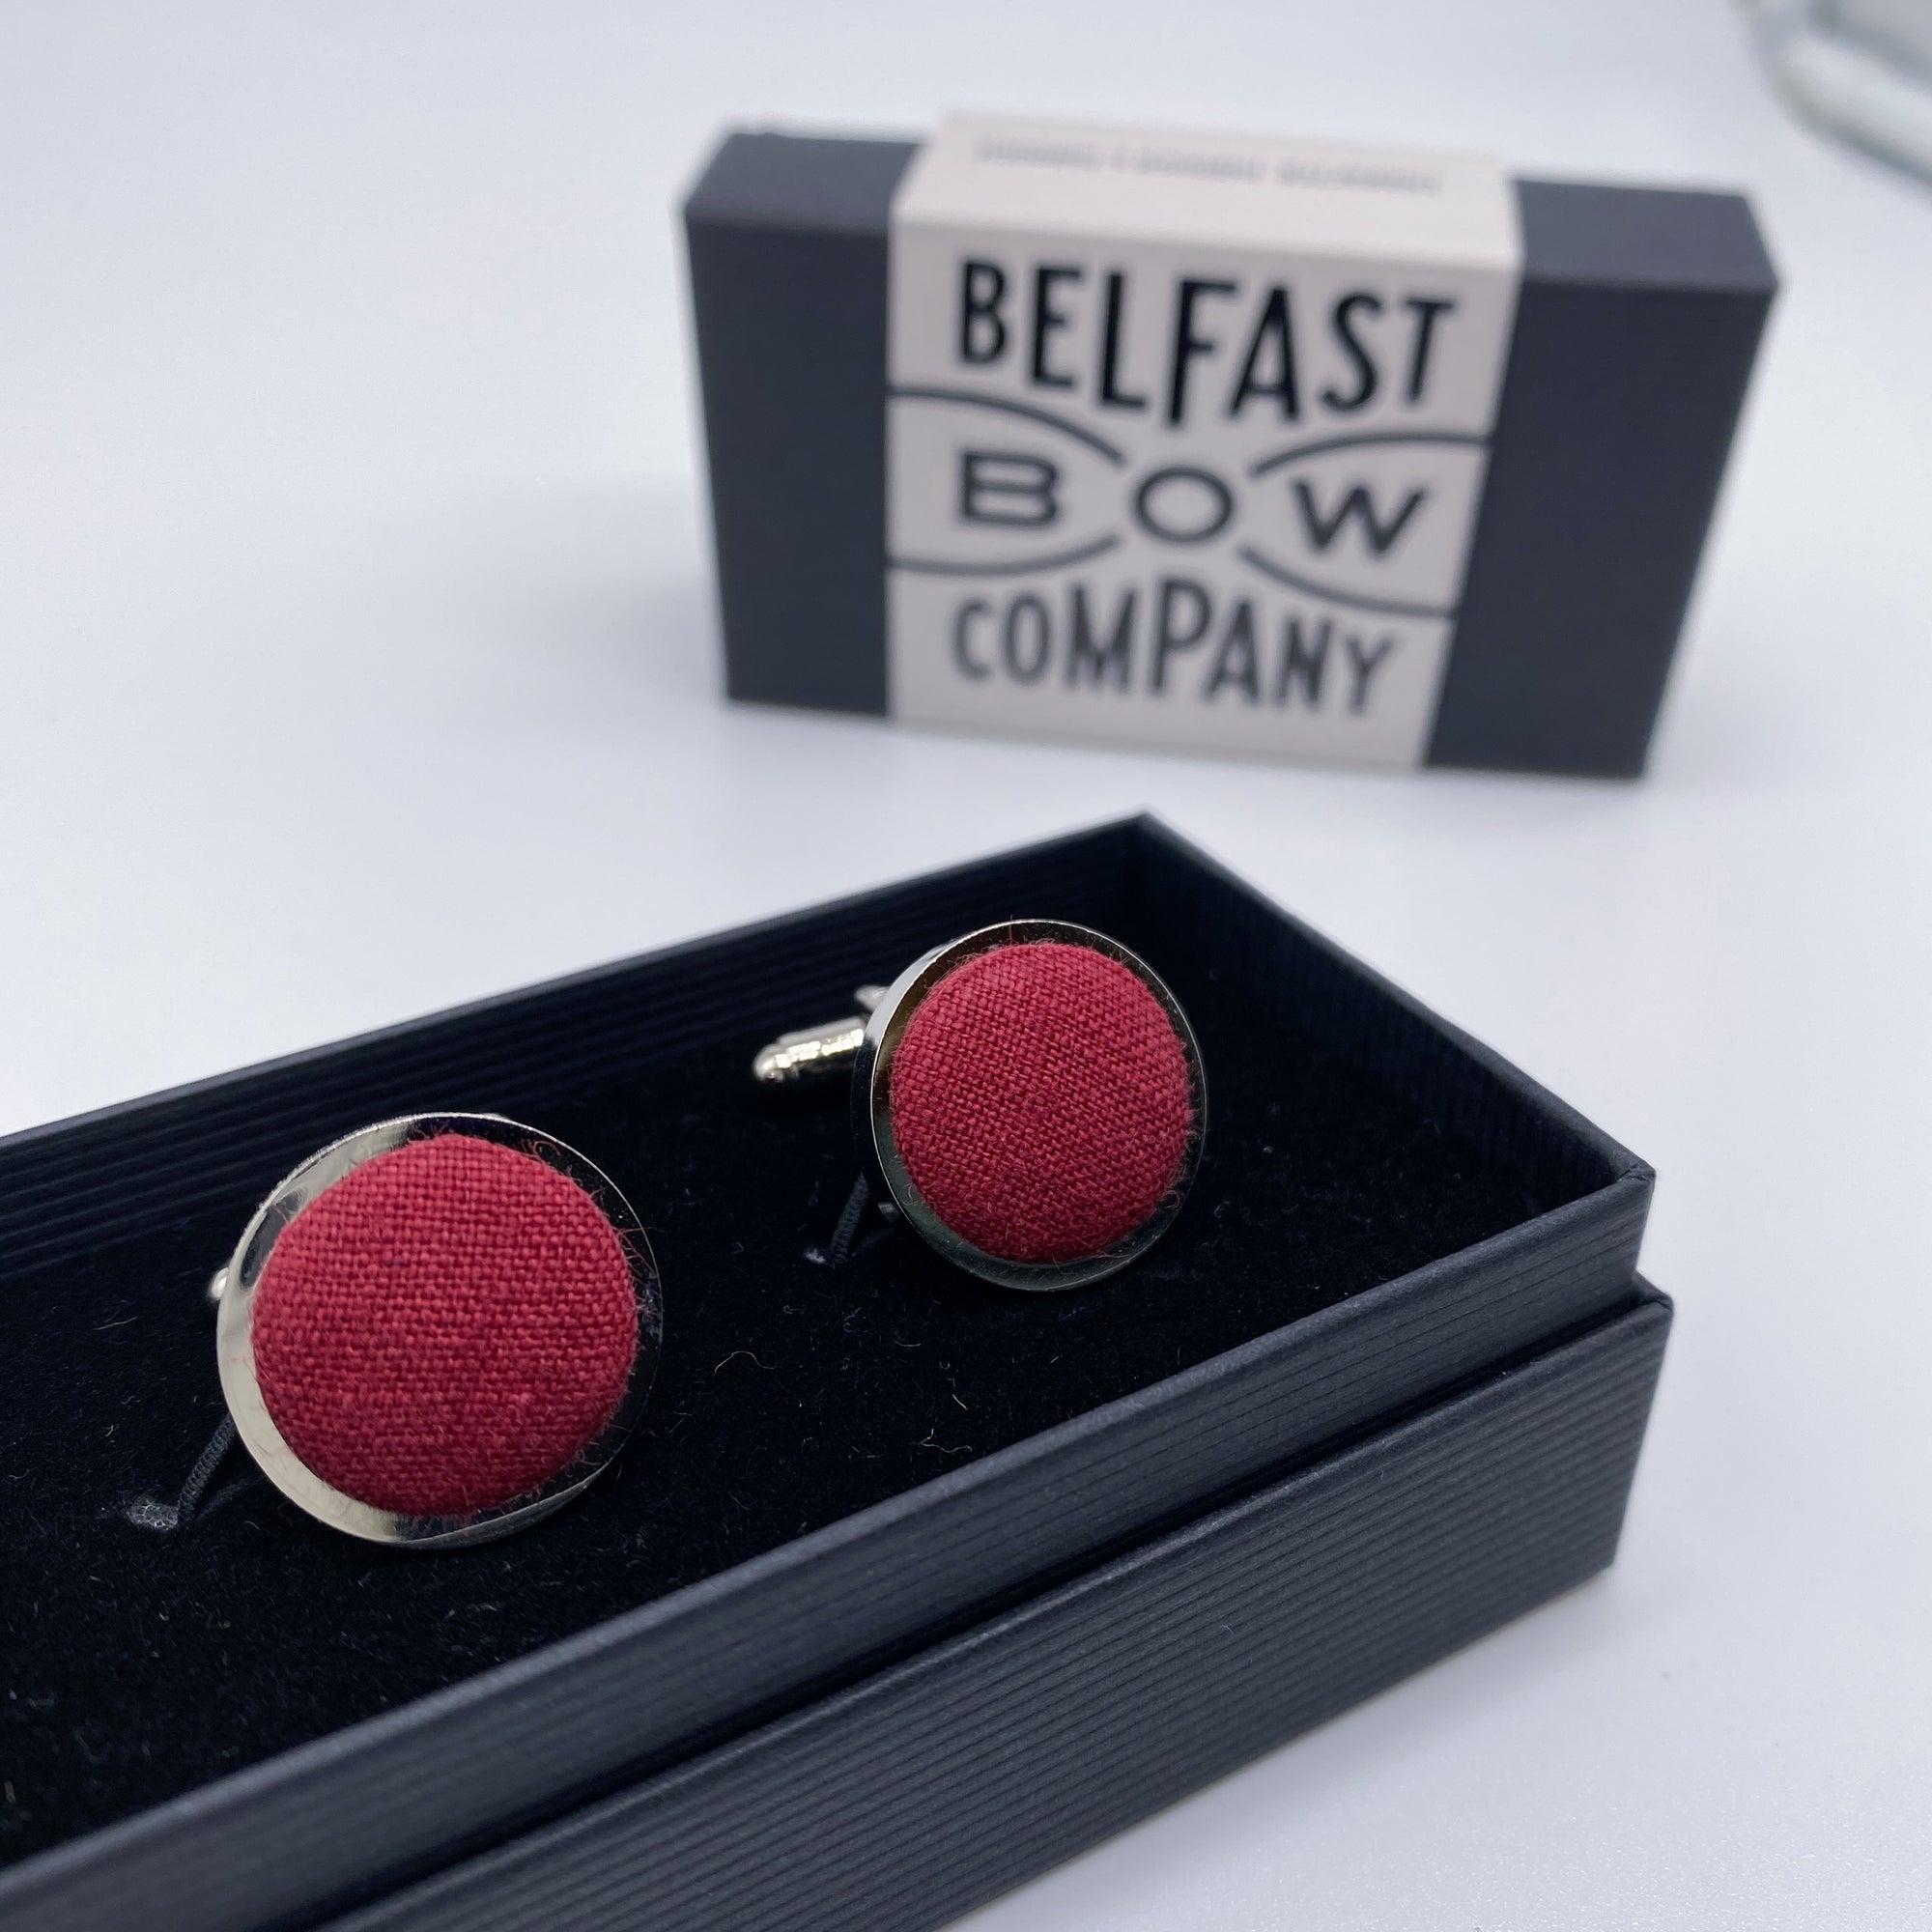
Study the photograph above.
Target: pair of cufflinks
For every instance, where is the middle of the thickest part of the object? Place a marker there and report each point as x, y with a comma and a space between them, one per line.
440, 1328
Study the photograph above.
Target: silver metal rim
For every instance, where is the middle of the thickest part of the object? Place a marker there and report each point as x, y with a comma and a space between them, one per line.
234, 1350
872, 1119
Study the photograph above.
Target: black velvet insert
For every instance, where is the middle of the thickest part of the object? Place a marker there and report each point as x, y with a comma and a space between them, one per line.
139, 1664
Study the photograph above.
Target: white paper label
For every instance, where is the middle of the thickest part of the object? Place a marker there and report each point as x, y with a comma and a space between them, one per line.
1187, 434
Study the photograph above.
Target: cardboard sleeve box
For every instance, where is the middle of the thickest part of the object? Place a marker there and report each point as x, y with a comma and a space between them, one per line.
1637, 320
905, 1589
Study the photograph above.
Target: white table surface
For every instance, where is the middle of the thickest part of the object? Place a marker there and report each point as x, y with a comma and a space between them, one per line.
357, 657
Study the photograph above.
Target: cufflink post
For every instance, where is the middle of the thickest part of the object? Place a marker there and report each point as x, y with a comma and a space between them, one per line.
831, 1048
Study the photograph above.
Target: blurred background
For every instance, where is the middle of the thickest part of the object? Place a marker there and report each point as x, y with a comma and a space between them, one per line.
357, 657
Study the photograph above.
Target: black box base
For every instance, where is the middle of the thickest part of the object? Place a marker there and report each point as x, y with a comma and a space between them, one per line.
948, 1780
260, 1723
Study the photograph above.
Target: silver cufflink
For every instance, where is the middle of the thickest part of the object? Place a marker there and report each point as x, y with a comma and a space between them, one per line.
1029, 1098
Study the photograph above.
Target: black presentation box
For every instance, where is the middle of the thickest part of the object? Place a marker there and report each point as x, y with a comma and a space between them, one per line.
1637, 326
906, 1588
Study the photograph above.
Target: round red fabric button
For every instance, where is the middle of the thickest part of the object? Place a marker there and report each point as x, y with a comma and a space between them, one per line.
446, 1328
1041, 1101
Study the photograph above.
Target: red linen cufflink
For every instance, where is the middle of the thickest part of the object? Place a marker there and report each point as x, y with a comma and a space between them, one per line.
438, 1329
1031, 1097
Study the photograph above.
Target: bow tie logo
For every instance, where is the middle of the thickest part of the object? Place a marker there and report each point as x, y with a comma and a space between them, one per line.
1373, 521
